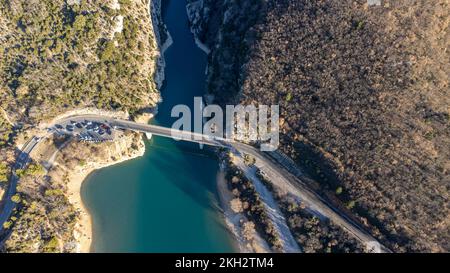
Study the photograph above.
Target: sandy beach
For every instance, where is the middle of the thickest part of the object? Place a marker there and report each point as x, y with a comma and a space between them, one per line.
83, 228
234, 221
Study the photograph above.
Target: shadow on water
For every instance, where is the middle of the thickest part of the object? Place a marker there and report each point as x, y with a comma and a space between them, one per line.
192, 158
165, 201
185, 78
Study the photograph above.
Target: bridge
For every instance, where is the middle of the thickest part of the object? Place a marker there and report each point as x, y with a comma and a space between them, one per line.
271, 165
171, 133
280, 168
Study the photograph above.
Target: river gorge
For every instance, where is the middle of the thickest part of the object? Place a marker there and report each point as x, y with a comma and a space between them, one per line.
165, 201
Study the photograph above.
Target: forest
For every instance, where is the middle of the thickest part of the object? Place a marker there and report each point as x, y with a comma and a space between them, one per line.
363, 92
56, 57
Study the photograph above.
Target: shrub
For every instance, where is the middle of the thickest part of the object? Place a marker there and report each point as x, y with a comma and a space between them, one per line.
16, 198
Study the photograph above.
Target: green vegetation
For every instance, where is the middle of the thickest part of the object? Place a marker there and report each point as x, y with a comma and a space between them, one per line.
47, 220
31, 170
254, 209
124, 2
359, 121
311, 233
82, 162
4, 172
288, 97
16, 198
314, 235
60, 58
53, 192
80, 22
108, 52
359, 25
51, 245
5, 131
7, 224
249, 160
56, 57
351, 204
430, 135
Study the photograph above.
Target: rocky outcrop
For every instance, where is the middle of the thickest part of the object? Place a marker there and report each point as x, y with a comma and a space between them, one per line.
197, 13
50, 215
163, 39
224, 28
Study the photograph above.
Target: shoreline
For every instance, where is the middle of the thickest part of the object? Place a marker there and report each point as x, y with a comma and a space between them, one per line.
154, 12
84, 229
83, 232
234, 220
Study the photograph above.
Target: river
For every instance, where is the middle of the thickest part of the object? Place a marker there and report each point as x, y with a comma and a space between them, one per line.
165, 201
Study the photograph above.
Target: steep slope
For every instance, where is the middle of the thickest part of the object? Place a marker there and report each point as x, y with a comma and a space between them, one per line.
364, 98
60, 57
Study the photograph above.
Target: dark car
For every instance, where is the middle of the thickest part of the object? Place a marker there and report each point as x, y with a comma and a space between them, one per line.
58, 126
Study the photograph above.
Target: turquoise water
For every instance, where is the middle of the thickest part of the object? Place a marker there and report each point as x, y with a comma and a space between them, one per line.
165, 201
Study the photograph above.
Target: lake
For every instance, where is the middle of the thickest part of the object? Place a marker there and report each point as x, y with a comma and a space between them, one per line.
165, 201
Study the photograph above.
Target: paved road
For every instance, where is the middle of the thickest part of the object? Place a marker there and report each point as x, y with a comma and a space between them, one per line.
21, 162
268, 165
309, 197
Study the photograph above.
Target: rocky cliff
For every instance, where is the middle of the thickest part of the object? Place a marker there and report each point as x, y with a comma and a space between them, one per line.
60, 58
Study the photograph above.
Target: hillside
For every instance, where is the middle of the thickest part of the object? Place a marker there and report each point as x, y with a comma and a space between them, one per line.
60, 56
364, 100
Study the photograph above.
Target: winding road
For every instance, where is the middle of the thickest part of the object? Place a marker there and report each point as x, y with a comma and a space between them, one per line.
21, 162
275, 169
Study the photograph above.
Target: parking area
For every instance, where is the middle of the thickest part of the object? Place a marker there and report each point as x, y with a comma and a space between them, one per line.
86, 130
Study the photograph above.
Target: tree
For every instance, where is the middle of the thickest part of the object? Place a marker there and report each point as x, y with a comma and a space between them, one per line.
35, 170
124, 2
7, 224
351, 204
249, 230
108, 52
16, 198
289, 97
51, 245
80, 22
4, 170
82, 162
236, 205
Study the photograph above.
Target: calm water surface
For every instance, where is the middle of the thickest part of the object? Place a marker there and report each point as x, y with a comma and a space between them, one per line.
165, 201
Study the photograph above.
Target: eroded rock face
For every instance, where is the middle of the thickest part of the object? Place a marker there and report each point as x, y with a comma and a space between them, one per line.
363, 95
